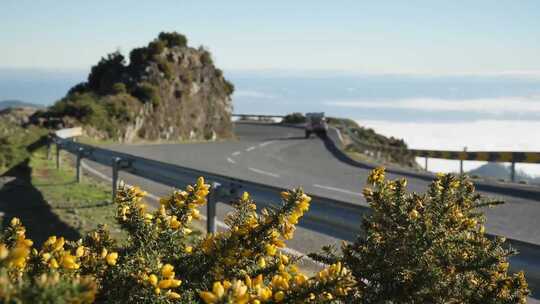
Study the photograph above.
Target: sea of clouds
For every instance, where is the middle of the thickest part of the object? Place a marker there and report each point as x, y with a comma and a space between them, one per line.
481, 135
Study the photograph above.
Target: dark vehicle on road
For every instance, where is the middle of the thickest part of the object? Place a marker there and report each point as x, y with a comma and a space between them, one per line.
316, 123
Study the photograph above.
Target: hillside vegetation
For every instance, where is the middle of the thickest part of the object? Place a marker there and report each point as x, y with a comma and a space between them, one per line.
168, 91
16, 137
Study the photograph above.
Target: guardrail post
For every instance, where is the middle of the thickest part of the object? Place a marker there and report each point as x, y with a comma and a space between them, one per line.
211, 209
513, 171
58, 159
115, 168
78, 164
425, 163
461, 162
49, 144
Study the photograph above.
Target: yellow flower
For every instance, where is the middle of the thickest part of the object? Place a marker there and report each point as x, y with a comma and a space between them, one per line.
80, 251
15, 222
376, 176
68, 261
3, 251
46, 256
50, 241
111, 258
165, 284
208, 297
153, 280
218, 290
271, 250
188, 249
167, 271
53, 263
261, 262
414, 214
175, 223
200, 182
59, 244
173, 295
279, 296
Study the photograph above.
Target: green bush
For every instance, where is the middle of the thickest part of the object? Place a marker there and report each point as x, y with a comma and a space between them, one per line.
87, 108
16, 142
229, 87
156, 47
119, 88
206, 58
173, 39
79, 88
147, 92
138, 56
167, 68
429, 248
107, 72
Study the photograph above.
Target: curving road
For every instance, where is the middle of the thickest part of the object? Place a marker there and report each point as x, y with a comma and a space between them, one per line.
280, 156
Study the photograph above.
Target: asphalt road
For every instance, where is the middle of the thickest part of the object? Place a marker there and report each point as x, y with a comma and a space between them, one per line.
281, 156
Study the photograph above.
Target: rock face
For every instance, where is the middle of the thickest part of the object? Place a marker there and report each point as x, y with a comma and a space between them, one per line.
168, 91
193, 102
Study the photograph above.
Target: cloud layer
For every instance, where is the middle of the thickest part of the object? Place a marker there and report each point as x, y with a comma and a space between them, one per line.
496, 106
482, 135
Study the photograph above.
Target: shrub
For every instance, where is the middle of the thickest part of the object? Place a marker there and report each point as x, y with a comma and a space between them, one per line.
229, 87
206, 58
294, 118
107, 72
166, 67
138, 56
89, 109
119, 88
417, 249
429, 248
156, 47
158, 264
79, 88
173, 39
147, 93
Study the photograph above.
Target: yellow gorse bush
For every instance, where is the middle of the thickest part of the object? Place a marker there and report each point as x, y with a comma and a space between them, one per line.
416, 249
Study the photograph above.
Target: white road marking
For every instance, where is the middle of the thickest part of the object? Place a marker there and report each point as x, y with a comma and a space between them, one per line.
263, 172
236, 153
203, 217
230, 160
336, 189
266, 143
251, 148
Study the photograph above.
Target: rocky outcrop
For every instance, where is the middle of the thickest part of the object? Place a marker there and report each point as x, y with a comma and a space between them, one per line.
168, 91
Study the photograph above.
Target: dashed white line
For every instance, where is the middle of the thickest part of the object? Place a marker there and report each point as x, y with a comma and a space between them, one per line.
236, 153
266, 143
336, 189
251, 148
230, 160
263, 172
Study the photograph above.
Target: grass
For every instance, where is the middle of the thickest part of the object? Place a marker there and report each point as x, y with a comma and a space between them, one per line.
79, 205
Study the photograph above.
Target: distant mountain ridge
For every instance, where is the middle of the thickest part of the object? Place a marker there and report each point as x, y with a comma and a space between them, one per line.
500, 171
13, 103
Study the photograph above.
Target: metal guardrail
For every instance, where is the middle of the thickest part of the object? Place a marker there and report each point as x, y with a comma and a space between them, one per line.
336, 214
257, 116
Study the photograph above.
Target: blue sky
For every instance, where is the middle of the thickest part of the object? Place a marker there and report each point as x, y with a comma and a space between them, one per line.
431, 37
